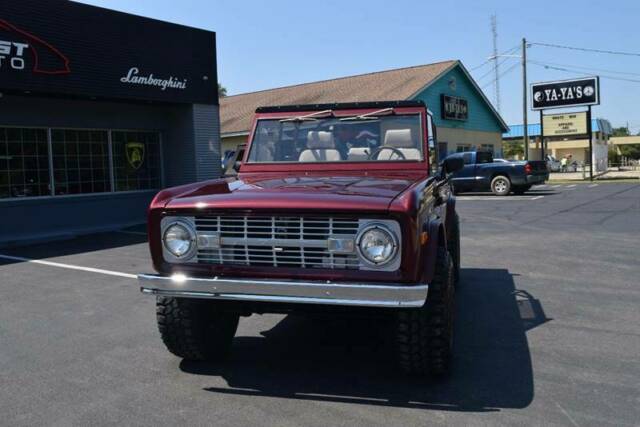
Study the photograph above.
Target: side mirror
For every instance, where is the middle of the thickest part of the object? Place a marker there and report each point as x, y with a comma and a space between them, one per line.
452, 164
234, 162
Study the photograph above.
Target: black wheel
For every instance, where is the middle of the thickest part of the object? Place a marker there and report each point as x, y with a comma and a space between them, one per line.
500, 185
521, 190
424, 336
195, 329
453, 244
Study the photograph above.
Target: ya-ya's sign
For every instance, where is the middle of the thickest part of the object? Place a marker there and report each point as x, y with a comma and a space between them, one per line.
565, 93
454, 108
564, 124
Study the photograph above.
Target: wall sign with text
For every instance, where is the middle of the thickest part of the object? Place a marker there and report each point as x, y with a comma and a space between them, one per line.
565, 93
454, 108
569, 124
71, 49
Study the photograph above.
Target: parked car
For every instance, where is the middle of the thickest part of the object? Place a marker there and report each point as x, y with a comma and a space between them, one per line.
481, 173
553, 164
334, 210
500, 160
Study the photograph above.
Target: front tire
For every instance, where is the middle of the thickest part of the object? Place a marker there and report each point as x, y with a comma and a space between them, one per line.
424, 336
500, 185
195, 329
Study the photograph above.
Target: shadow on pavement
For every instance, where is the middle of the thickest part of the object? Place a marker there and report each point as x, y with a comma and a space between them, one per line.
348, 360
76, 245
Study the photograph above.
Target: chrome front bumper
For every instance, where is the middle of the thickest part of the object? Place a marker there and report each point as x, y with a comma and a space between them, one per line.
288, 291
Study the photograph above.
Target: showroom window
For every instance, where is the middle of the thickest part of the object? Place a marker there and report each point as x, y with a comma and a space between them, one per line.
80, 161
463, 148
83, 161
136, 160
24, 163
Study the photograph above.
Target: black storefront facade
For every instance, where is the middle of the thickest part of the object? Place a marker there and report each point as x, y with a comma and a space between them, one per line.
98, 111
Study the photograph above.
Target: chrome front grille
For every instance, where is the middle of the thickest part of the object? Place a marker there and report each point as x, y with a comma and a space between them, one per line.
278, 241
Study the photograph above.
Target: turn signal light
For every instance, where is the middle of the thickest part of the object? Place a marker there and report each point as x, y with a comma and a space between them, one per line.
424, 238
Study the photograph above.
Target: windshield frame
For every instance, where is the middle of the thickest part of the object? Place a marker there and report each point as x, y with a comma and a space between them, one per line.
345, 165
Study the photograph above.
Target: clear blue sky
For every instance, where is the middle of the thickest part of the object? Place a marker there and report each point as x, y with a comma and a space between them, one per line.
263, 44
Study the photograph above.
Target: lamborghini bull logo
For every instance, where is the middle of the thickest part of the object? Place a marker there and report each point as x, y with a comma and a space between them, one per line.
135, 154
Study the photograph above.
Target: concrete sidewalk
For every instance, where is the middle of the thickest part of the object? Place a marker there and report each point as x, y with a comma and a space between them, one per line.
610, 174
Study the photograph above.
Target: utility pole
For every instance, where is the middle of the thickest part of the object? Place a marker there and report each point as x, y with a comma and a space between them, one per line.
494, 31
524, 99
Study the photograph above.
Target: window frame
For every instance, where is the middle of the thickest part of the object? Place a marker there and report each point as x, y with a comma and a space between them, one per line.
112, 190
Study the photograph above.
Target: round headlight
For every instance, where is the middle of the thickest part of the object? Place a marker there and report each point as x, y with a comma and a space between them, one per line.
178, 239
377, 245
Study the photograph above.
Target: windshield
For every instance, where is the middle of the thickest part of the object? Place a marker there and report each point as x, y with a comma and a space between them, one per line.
357, 139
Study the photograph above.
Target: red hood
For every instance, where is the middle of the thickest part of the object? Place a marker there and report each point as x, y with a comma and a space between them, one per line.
336, 193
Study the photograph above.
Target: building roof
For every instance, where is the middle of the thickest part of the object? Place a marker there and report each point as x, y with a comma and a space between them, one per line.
236, 111
517, 131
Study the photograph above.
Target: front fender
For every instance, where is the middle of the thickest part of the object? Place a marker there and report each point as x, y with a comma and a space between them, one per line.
436, 238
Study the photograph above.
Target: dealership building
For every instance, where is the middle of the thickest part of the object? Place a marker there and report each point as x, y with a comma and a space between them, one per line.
464, 117
98, 110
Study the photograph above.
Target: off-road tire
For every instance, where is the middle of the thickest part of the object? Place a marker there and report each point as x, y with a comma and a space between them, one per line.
195, 329
424, 336
500, 185
521, 190
453, 244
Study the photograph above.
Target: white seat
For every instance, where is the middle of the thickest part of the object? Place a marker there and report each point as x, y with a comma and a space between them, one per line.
358, 154
320, 148
402, 140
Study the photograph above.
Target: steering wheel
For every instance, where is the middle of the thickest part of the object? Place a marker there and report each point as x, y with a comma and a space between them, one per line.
375, 153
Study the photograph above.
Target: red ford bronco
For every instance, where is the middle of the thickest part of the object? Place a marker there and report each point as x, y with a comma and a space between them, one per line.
334, 207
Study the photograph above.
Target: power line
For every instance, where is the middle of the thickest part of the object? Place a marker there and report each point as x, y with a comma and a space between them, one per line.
551, 67
584, 49
586, 68
506, 52
504, 73
492, 69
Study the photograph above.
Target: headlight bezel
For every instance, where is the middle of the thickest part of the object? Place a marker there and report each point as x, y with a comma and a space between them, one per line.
188, 224
387, 263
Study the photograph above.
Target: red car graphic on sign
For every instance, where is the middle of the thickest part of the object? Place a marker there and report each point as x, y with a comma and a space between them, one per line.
46, 58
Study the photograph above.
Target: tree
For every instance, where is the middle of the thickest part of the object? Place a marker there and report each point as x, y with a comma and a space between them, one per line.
222, 91
512, 149
631, 151
621, 131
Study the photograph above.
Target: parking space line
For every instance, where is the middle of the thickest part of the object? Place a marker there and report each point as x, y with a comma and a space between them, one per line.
537, 197
556, 186
494, 198
69, 266
571, 186
593, 185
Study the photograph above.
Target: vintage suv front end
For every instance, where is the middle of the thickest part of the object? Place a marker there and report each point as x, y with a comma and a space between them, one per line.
333, 206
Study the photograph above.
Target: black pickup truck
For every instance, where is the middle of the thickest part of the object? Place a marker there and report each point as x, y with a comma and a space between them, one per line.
482, 173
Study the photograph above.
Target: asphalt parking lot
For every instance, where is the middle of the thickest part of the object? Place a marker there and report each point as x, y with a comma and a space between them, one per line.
547, 333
